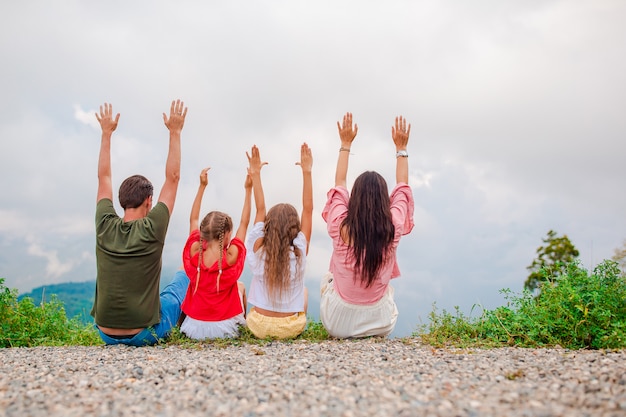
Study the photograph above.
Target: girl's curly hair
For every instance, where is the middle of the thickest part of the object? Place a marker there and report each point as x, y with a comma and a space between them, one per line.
282, 225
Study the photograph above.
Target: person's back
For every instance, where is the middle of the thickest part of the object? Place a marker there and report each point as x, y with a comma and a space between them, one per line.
278, 262
127, 306
365, 228
128, 258
215, 303
277, 248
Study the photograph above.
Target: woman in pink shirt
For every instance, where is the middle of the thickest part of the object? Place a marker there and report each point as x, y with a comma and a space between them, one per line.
365, 227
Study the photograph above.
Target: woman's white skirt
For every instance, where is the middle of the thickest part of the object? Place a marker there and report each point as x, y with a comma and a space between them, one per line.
343, 320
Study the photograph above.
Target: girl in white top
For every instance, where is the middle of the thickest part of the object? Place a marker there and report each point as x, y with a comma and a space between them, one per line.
277, 247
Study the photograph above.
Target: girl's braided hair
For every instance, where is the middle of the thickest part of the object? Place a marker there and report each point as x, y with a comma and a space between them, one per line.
213, 227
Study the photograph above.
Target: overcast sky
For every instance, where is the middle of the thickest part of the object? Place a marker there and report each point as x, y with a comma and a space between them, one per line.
516, 107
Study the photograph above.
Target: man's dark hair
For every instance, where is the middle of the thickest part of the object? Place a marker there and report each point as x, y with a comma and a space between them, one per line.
134, 191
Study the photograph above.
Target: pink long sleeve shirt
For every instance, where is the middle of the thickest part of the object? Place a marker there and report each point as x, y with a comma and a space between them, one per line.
342, 262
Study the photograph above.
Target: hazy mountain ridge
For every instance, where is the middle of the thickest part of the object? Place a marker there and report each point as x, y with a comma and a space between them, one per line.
77, 297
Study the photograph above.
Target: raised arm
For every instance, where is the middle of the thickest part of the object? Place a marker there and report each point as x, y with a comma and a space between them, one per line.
306, 163
254, 170
108, 125
194, 217
245, 211
233, 250
174, 123
347, 135
400, 135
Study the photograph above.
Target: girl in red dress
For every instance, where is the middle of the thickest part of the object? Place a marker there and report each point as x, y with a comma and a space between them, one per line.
214, 305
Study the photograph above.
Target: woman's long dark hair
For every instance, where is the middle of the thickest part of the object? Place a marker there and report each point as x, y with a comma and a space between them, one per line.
368, 226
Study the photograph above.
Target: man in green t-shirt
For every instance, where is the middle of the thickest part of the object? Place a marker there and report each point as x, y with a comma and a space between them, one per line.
128, 308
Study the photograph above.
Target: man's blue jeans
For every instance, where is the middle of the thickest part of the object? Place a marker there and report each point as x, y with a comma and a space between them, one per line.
172, 297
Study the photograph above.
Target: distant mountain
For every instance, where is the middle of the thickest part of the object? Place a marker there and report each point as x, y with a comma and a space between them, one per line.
77, 297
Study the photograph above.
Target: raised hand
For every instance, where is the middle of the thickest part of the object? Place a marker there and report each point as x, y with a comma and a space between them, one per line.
254, 172
105, 118
204, 177
254, 161
400, 133
306, 158
306, 163
346, 132
194, 216
178, 112
248, 182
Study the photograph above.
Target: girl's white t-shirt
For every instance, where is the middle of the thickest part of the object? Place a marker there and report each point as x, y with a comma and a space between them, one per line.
293, 297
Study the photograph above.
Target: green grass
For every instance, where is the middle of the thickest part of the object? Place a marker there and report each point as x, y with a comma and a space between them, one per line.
575, 309
314, 333
24, 324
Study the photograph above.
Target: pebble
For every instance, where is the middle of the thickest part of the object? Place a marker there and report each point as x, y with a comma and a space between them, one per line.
371, 377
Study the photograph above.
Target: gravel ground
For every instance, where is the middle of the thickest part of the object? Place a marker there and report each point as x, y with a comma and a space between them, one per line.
333, 378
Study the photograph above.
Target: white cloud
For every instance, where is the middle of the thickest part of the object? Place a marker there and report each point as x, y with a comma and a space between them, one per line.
86, 117
419, 178
11, 222
54, 267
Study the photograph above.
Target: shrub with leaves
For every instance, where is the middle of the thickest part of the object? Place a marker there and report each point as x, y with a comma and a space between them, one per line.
552, 257
575, 310
22, 323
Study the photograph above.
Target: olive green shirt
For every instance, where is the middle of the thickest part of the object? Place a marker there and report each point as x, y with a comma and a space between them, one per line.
128, 258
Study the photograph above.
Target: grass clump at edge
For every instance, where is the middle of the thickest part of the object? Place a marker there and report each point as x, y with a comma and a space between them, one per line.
574, 310
24, 324
313, 333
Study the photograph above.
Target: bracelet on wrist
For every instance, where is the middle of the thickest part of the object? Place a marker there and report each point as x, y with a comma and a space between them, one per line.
402, 153
342, 149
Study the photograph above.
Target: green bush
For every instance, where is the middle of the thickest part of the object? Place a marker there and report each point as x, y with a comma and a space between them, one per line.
574, 310
22, 323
